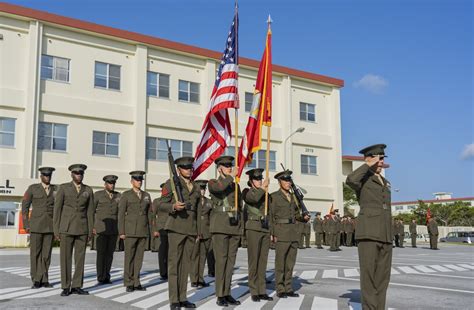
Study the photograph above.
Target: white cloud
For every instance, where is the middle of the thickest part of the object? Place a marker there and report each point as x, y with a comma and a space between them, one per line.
468, 152
372, 83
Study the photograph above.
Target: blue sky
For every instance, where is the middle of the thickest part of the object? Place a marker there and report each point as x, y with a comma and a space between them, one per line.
407, 66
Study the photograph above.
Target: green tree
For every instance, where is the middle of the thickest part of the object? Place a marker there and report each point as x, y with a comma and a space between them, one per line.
349, 197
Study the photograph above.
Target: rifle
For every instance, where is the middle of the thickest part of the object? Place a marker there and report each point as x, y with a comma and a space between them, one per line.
298, 195
175, 182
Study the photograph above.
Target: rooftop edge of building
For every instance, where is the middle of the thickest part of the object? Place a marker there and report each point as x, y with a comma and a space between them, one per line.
153, 41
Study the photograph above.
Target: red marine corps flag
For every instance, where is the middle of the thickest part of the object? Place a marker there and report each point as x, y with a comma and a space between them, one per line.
261, 110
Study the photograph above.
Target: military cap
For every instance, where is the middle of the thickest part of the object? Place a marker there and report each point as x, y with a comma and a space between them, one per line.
202, 183
46, 170
137, 174
110, 178
77, 168
284, 175
224, 160
255, 174
318, 213
162, 184
376, 149
184, 162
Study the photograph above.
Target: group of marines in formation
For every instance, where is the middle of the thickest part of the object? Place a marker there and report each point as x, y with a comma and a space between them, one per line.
73, 214
190, 228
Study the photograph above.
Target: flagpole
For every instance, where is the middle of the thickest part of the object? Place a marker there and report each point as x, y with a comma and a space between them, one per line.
267, 155
236, 115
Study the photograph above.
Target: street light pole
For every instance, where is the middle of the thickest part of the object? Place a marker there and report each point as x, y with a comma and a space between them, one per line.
299, 130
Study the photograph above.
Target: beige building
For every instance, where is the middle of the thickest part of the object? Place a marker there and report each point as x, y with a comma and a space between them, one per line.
77, 92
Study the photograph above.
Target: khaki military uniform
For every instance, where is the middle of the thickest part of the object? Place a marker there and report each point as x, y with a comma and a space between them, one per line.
339, 229
204, 245
374, 235
73, 220
306, 235
161, 242
318, 231
225, 227
258, 239
349, 229
412, 229
182, 230
284, 213
40, 223
433, 232
401, 233
134, 219
106, 228
326, 231
332, 227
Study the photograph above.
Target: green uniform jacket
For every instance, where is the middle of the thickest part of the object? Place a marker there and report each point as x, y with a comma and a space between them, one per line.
184, 221
134, 215
307, 228
433, 228
41, 220
318, 225
349, 227
375, 216
412, 228
204, 211
325, 225
400, 229
106, 212
332, 226
73, 211
281, 211
254, 199
222, 192
159, 216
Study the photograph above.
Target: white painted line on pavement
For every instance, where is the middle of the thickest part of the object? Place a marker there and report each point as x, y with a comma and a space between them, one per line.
466, 266
424, 269
394, 271
440, 268
351, 272
407, 269
289, 303
308, 275
331, 273
454, 267
320, 303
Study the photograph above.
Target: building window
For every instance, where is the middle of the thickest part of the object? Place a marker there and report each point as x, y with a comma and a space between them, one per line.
307, 112
309, 165
398, 208
411, 207
54, 68
158, 85
248, 101
7, 131
107, 76
188, 91
105, 143
156, 148
52, 136
7, 214
258, 160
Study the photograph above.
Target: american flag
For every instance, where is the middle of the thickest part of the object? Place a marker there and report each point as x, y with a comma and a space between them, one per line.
216, 130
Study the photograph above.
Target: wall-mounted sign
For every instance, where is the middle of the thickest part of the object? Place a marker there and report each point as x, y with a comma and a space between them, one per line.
309, 150
7, 188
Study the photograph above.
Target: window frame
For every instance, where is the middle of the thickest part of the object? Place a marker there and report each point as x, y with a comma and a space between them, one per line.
106, 144
157, 149
248, 102
308, 165
255, 159
9, 133
306, 119
52, 136
189, 92
158, 84
54, 69
107, 76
